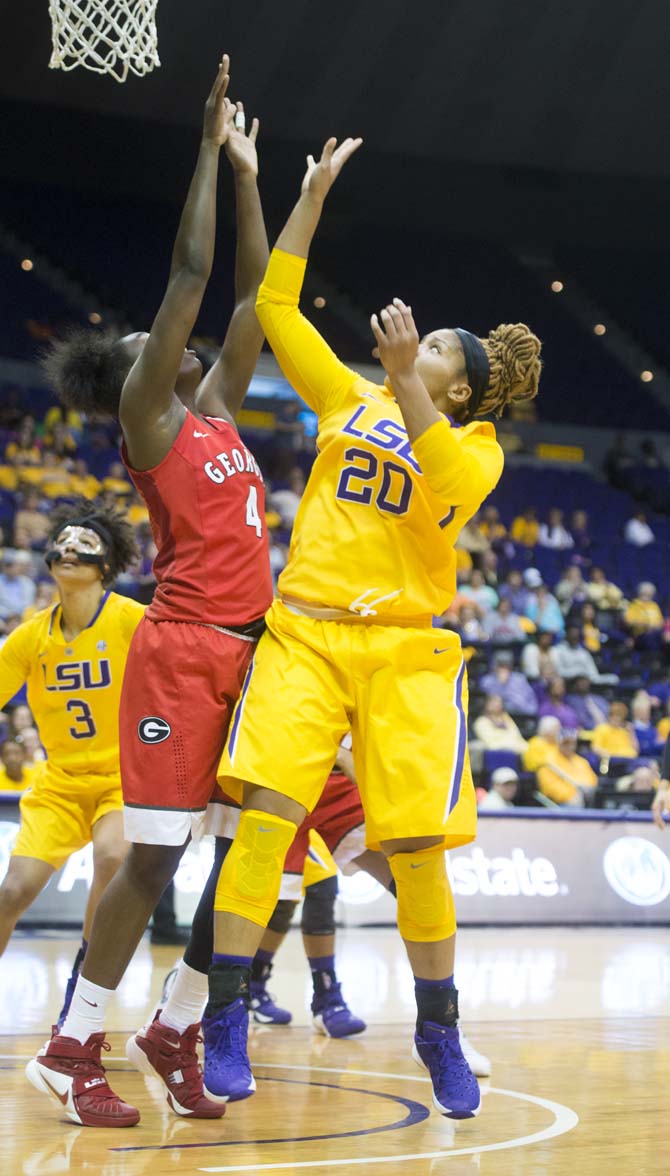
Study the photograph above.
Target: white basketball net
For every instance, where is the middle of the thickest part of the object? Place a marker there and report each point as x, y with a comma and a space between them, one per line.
106, 36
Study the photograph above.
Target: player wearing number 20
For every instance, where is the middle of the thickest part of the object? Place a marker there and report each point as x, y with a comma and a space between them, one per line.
72, 657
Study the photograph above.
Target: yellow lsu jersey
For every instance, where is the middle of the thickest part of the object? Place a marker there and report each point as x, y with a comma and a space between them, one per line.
74, 687
377, 524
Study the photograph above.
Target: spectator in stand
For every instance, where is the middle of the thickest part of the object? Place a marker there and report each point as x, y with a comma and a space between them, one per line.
287, 501
616, 737
31, 524
8, 626
488, 566
496, 730
663, 725
24, 450
503, 626
469, 625
45, 597
592, 638
472, 540
573, 661
544, 610
603, 593
517, 694
55, 475
117, 481
17, 589
61, 441
491, 526
644, 778
21, 717
478, 591
591, 709
571, 589
579, 529
515, 591
645, 731
29, 741
525, 528
542, 746
567, 778
503, 790
15, 775
553, 534
536, 661
82, 482
555, 704
644, 618
68, 419
638, 532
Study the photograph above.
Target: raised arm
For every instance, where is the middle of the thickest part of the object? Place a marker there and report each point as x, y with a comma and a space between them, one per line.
150, 412
304, 357
225, 385
15, 661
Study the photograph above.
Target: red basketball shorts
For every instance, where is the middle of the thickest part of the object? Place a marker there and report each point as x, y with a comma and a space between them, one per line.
179, 691
340, 821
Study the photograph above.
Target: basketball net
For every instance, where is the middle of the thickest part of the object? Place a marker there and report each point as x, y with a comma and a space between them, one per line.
106, 36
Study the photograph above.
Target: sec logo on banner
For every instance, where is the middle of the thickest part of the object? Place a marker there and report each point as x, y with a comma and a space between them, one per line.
637, 870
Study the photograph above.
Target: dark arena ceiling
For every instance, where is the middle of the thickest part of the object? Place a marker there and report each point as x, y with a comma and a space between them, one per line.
503, 115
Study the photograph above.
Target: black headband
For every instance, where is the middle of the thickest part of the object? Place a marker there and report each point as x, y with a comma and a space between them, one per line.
477, 367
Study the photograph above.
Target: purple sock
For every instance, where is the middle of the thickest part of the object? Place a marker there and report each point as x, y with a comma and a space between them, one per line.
231, 961
421, 985
261, 967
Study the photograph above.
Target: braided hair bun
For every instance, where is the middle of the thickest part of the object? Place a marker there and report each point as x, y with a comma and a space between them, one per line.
514, 358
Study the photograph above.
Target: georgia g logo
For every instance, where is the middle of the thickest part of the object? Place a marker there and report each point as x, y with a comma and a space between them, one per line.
153, 729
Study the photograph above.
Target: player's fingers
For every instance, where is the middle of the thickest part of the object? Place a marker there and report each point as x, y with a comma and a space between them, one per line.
253, 133
406, 313
377, 329
375, 353
328, 149
240, 117
389, 324
222, 78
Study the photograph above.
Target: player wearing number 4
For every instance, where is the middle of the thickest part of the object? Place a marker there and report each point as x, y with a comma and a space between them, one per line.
400, 468
188, 658
72, 656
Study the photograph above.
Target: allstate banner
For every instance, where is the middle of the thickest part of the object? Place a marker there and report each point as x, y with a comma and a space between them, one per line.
526, 867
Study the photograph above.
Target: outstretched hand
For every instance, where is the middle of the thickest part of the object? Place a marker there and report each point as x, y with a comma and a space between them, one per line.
320, 177
219, 112
397, 337
661, 805
240, 147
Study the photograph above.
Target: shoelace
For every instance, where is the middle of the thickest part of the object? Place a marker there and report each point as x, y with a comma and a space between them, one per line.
185, 1058
92, 1065
230, 1038
456, 1060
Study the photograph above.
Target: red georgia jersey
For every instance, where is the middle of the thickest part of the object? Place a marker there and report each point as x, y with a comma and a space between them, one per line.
207, 507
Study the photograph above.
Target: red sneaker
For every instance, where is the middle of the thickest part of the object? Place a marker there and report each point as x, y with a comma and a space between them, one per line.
159, 1050
73, 1075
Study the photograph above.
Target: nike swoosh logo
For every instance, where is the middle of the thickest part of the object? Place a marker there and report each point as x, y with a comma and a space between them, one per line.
262, 830
92, 1003
440, 651
197, 434
417, 865
62, 1098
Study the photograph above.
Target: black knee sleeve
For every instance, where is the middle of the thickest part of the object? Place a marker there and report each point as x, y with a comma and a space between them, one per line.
318, 912
198, 954
282, 915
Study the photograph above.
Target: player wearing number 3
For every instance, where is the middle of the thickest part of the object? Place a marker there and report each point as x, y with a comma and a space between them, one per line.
400, 468
72, 657
188, 658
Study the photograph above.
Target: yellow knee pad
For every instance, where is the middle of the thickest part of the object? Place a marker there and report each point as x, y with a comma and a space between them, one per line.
319, 863
250, 877
426, 911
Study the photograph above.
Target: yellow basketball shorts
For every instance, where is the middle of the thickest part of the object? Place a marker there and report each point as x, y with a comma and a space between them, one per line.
59, 811
403, 694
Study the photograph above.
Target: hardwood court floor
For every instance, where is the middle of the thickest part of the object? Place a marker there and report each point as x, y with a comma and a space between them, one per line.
575, 1022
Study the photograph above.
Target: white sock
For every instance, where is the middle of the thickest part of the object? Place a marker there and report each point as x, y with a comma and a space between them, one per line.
87, 1011
187, 999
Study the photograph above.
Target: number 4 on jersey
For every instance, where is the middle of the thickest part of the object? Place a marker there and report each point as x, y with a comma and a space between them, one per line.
253, 517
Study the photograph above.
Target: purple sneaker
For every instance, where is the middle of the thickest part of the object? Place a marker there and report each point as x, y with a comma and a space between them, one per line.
263, 1008
227, 1073
455, 1088
332, 1017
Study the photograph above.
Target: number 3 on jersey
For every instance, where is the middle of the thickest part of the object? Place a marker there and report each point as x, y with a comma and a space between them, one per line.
81, 713
357, 480
253, 517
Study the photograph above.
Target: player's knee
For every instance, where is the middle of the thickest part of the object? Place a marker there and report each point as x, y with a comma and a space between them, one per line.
15, 896
249, 881
267, 800
318, 911
410, 844
107, 860
280, 920
426, 912
152, 866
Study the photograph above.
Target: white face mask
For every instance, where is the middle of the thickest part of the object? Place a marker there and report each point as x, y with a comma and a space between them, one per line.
80, 540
